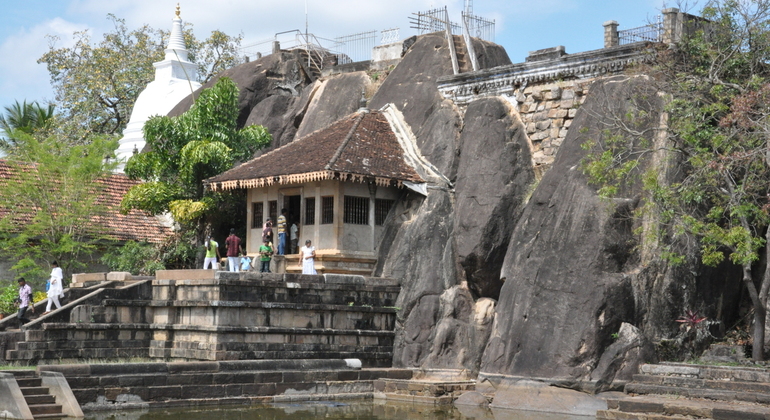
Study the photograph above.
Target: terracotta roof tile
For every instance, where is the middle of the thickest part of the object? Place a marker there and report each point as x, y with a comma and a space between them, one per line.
136, 225
358, 147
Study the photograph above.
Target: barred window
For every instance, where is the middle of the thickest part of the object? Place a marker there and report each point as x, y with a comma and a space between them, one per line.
310, 210
273, 211
356, 210
381, 209
327, 210
256, 215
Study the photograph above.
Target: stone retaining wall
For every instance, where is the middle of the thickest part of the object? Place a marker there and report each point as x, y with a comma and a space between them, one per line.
143, 385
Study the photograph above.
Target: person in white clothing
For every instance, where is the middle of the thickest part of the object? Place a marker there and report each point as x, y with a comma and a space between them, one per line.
307, 256
56, 289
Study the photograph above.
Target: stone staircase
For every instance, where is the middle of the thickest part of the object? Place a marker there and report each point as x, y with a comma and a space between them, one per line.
197, 315
461, 51
40, 402
681, 391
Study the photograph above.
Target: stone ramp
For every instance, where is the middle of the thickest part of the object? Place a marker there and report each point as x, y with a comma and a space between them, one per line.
201, 315
679, 391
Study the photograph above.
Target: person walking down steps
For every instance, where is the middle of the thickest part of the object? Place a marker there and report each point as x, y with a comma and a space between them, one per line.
55, 288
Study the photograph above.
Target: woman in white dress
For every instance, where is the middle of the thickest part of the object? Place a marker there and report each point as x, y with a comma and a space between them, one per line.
307, 256
55, 289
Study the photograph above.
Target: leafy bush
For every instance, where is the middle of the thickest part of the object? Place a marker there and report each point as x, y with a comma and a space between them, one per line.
8, 295
143, 258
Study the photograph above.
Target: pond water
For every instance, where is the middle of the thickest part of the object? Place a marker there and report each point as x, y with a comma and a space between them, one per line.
332, 410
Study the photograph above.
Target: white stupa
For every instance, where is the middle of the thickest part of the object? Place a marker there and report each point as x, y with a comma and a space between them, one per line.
175, 78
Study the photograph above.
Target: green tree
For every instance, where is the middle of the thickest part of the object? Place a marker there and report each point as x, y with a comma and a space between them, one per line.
96, 84
25, 118
185, 150
49, 203
718, 85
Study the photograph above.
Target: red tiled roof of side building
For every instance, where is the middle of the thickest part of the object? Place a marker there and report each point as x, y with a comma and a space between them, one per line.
136, 225
361, 145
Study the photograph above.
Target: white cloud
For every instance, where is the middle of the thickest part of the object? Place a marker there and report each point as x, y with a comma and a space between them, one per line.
20, 76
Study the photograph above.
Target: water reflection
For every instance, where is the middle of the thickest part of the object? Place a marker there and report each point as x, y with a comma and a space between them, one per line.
332, 410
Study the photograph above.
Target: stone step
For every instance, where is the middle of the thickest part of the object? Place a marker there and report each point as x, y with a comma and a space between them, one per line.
44, 356
40, 399
704, 393
34, 390
81, 344
50, 416
619, 415
28, 382
37, 409
655, 407
368, 356
729, 373
678, 381
432, 389
298, 291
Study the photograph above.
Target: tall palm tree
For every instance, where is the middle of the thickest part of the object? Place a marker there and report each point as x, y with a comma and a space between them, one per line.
23, 117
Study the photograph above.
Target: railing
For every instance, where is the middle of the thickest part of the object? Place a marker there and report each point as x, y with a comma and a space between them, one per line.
355, 47
433, 21
389, 36
479, 27
469, 43
651, 33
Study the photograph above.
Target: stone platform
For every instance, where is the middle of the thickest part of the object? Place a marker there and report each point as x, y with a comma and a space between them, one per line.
681, 391
207, 315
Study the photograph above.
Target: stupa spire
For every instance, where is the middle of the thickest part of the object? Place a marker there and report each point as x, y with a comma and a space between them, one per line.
176, 49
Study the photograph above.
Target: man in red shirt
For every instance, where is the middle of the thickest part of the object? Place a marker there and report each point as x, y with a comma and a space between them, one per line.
233, 250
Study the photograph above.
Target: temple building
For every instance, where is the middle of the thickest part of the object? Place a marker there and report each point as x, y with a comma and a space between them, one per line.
339, 184
175, 78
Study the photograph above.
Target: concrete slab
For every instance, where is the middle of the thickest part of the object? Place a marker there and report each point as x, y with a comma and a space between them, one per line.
119, 276
84, 277
538, 396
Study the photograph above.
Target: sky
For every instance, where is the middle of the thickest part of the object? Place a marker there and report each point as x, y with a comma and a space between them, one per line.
521, 25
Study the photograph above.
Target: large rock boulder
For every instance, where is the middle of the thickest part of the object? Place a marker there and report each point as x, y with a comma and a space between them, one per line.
334, 98
272, 93
493, 178
567, 287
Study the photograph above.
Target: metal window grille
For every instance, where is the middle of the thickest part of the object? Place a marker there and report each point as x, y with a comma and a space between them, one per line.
650, 33
257, 210
356, 210
273, 210
310, 210
327, 210
381, 209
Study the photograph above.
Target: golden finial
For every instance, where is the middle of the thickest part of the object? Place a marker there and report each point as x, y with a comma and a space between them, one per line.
177, 11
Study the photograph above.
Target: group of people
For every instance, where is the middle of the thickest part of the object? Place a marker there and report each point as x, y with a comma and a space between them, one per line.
54, 291
237, 260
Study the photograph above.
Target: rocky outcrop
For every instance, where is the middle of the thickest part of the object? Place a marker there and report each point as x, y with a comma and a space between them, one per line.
567, 287
333, 98
494, 176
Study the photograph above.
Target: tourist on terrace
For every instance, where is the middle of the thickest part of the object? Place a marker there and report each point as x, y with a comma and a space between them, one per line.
234, 249
307, 257
212, 254
55, 288
267, 231
245, 262
282, 233
294, 236
265, 253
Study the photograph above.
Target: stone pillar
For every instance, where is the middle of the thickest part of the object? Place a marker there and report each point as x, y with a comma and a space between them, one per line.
276, 47
611, 34
672, 32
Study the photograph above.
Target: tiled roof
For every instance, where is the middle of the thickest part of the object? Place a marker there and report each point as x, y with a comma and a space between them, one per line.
359, 147
136, 225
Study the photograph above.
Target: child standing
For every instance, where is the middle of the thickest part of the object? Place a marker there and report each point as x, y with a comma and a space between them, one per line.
265, 254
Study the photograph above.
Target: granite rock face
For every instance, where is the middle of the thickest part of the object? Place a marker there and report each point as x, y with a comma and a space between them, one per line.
494, 175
